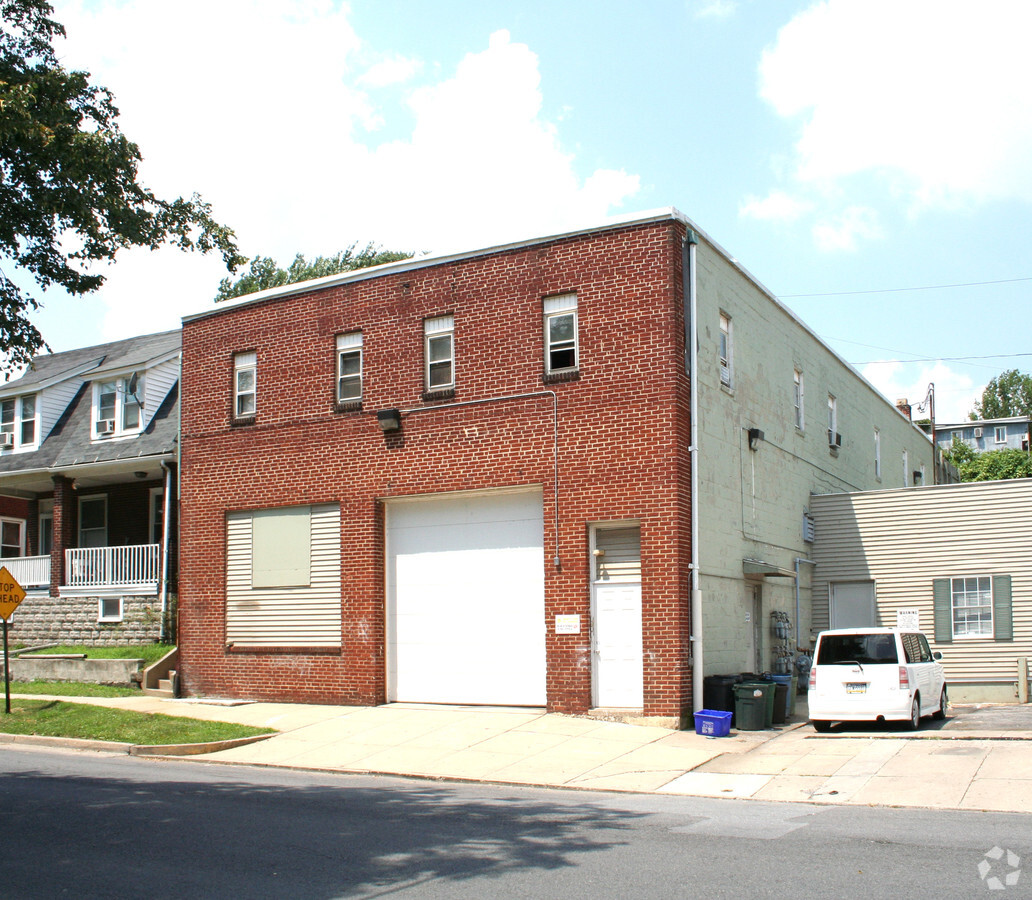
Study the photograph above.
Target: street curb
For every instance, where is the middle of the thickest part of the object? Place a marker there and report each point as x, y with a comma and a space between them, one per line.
149, 750
40, 740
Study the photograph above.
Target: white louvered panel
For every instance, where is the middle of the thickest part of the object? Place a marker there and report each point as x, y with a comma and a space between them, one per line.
308, 616
619, 554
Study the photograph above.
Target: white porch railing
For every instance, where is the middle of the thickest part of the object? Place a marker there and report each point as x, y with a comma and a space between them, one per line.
29, 571
112, 566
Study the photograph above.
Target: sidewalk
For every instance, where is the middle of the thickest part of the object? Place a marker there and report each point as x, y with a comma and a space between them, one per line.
955, 767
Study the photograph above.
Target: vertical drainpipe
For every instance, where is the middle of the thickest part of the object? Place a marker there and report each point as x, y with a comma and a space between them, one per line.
691, 339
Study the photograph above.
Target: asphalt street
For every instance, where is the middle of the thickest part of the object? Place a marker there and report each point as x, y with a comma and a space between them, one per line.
98, 825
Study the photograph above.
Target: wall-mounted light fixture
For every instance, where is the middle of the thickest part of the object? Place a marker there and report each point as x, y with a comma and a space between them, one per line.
918, 475
140, 474
389, 420
755, 436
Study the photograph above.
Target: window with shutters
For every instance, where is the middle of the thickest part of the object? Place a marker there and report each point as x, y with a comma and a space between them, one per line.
973, 607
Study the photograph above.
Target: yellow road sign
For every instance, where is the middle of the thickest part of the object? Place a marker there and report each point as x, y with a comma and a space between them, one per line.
11, 593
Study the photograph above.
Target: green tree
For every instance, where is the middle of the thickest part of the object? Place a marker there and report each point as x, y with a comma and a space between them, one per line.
996, 465
959, 453
263, 272
1008, 394
69, 191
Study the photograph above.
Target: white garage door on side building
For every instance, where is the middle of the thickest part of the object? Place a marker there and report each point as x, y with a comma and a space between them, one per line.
466, 599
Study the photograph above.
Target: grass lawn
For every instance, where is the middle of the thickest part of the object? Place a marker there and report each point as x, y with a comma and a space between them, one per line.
56, 718
149, 652
72, 689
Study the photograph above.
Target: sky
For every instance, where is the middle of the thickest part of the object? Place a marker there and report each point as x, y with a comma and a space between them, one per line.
868, 161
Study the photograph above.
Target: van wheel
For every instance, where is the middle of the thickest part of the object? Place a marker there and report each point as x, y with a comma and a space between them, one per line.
944, 704
821, 725
915, 714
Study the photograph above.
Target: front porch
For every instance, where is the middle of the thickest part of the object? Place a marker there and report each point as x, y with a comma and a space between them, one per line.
93, 571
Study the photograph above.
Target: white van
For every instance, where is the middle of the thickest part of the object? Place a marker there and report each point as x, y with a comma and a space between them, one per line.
875, 675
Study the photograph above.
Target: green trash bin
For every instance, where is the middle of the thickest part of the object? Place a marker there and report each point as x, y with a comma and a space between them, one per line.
767, 687
751, 706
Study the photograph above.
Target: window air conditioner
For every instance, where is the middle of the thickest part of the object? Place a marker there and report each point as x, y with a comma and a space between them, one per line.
978, 432
6, 440
106, 426
834, 439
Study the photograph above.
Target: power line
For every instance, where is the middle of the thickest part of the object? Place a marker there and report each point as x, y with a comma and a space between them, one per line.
927, 287
941, 359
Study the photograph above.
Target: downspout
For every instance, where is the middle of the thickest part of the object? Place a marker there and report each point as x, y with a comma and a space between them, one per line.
166, 519
691, 338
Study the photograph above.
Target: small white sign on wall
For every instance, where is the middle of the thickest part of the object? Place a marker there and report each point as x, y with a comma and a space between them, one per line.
567, 624
909, 619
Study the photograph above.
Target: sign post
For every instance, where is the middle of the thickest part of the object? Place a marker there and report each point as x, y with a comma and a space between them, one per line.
11, 594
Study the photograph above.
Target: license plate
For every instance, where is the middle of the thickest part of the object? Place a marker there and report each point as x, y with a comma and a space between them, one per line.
855, 687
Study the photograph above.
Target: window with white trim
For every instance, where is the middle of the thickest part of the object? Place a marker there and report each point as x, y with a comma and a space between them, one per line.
117, 406
1000, 434
832, 420
906, 468
93, 521
877, 453
110, 609
560, 314
439, 353
972, 601
19, 426
797, 398
245, 367
12, 537
349, 367
725, 350
157, 514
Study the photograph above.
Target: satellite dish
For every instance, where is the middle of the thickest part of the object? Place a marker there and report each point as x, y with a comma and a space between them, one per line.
134, 382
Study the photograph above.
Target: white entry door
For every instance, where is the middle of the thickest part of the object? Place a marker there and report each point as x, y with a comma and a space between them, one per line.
852, 604
466, 599
617, 660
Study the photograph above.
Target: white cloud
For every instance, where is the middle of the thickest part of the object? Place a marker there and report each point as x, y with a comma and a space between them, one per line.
924, 100
843, 230
386, 72
955, 392
777, 206
715, 9
265, 112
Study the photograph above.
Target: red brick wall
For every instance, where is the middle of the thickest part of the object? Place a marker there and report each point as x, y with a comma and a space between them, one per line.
623, 434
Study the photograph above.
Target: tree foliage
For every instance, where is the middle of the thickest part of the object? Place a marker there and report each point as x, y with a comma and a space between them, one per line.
1008, 394
69, 191
996, 465
263, 273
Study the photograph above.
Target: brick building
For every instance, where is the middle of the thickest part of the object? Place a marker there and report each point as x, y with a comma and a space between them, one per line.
468, 478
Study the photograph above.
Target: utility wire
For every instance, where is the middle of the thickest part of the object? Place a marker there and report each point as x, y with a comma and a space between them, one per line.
927, 287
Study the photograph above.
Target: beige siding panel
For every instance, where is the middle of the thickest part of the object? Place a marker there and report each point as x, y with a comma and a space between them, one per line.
309, 616
904, 539
620, 560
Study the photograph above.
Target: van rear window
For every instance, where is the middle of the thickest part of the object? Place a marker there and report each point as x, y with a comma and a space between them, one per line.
866, 649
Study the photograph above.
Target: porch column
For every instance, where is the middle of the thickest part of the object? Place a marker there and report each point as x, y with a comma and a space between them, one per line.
64, 530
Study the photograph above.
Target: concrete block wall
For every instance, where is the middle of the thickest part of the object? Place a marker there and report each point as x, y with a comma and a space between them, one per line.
621, 428
41, 619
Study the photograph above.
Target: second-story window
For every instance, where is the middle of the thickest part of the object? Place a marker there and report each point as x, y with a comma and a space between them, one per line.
439, 352
560, 333
349, 367
725, 351
118, 408
18, 426
797, 399
877, 453
832, 420
244, 384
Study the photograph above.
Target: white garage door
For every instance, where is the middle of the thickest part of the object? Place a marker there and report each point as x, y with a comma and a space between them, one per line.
466, 600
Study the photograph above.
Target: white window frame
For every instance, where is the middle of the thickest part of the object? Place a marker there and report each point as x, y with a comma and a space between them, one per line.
10, 520
877, 454
832, 418
981, 589
725, 350
15, 427
1000, 434
561, 306
104, 614
438, 335
124, 402
156, 514
799, 399
349, 347
906, 469
45, 533
245, 364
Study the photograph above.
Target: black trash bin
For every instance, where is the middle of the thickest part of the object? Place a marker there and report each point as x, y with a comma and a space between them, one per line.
780, 703
718, 692
751, 706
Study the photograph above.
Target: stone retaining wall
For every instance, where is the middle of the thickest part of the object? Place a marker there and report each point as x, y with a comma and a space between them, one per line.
41, 619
